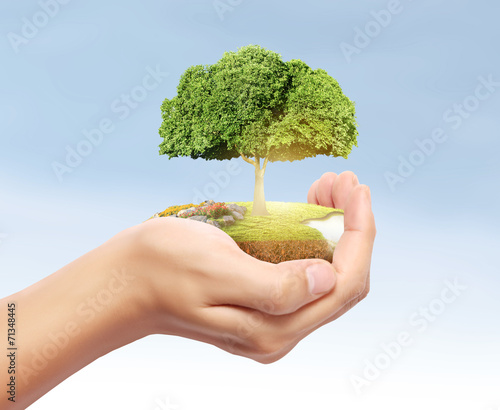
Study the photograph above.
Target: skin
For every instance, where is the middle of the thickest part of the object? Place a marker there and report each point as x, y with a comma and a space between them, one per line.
181, 277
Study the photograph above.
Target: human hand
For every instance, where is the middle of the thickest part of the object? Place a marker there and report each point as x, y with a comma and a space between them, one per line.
352, 256
185, 278
204, 287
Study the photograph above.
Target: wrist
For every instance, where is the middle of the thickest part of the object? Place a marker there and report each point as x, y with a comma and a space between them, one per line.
129, 282
81, 312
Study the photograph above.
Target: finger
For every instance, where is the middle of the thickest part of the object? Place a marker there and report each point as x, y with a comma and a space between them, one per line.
261, 336
351, 263
286, 287
324, 189
266, 337
352, 257
240, 331
342, 188
229, 276
254, 334
244, 332
311, 195
335, 315
276, 289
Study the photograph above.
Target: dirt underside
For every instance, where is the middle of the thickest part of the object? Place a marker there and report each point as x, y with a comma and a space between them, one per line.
280, 251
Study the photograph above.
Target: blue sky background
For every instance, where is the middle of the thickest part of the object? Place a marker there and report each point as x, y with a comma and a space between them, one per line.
440, 224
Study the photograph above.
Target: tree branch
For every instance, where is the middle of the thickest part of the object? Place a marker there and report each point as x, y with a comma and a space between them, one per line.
265, 163
248, 160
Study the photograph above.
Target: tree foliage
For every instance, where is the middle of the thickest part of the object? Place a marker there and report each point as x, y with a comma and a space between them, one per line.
251, 102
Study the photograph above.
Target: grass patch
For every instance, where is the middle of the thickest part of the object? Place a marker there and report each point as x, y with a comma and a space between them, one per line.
283, 223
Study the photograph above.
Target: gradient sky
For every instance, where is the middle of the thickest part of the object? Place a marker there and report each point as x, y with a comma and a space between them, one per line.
440, 223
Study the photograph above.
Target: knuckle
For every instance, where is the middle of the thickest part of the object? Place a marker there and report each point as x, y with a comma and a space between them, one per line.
266, 359
348, 175
350, 305
363, 290
290, 284
363, 294
326, 175
147, 232
359, 290
372, 231
142, 236
367, 286
264, 346
281, 303
346, 178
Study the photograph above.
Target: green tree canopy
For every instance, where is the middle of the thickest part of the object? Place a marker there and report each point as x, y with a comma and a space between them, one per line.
252, 104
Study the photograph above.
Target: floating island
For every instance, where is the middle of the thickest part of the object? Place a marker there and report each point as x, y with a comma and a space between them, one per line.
292, 231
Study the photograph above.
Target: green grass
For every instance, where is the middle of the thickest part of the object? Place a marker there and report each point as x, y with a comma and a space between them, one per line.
282, 224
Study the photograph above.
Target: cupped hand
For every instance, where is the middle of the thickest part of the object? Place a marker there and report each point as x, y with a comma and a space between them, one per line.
201, 285
352, 257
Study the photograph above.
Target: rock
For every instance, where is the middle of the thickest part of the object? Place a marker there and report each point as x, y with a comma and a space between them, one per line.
228, 220
214, 223
234, 207
237, 215
200, 218
156, 215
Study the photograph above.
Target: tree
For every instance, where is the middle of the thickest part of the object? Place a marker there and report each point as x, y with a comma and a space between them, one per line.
251, 104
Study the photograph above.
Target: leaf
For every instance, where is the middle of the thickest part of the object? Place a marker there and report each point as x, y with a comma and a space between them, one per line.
251, 102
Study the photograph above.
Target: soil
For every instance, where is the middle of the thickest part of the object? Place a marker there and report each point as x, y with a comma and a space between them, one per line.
280, 251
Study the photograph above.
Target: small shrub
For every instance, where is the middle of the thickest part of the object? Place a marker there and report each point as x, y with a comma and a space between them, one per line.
173, 210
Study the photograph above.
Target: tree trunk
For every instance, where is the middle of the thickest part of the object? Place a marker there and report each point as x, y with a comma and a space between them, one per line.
259, 200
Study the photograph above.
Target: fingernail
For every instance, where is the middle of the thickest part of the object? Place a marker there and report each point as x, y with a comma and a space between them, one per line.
321, 278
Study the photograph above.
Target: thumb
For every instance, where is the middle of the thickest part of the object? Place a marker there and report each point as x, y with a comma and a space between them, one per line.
301, 282
283, 288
